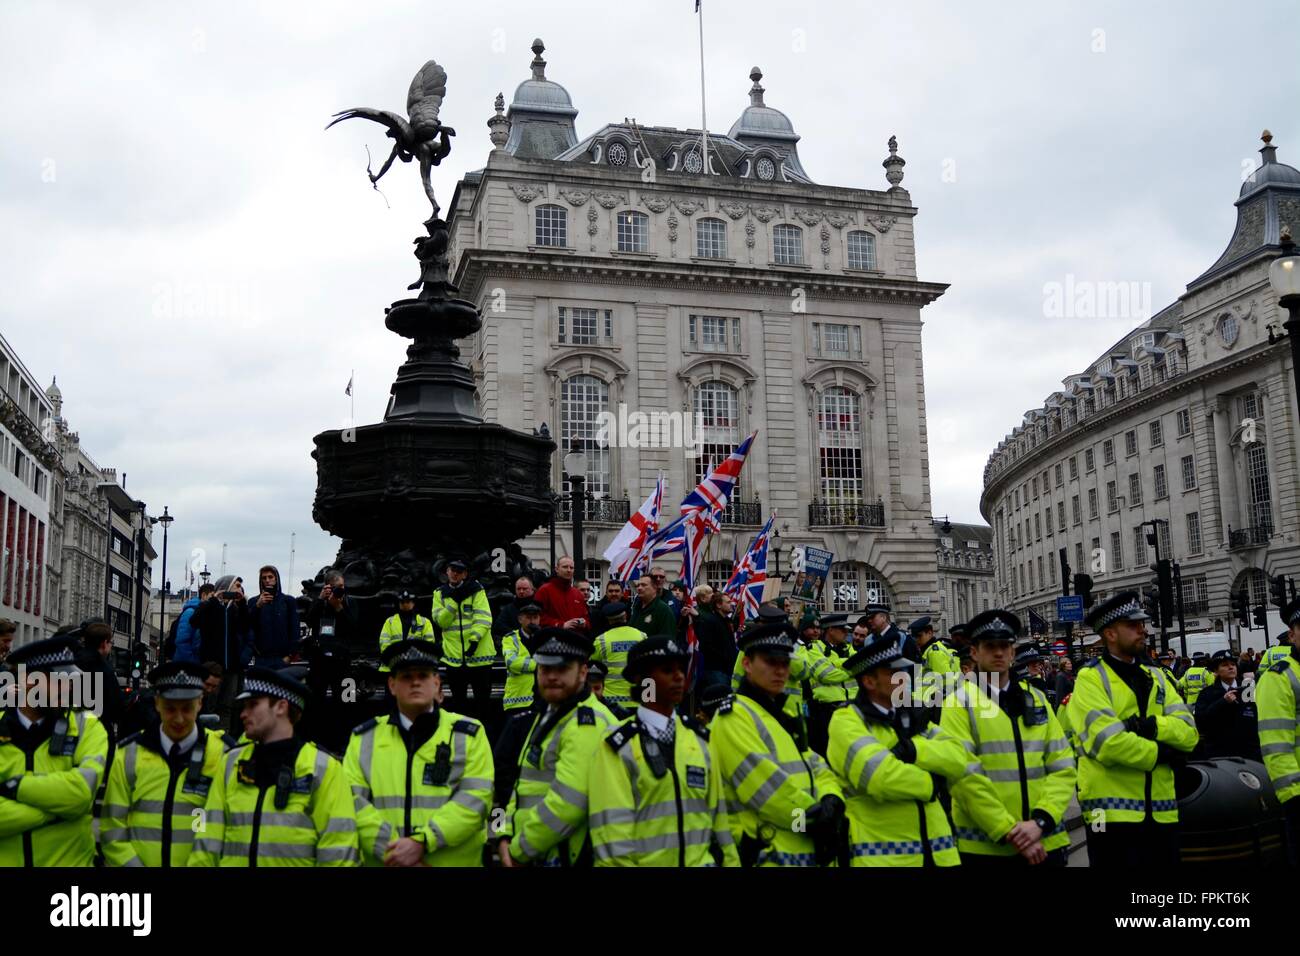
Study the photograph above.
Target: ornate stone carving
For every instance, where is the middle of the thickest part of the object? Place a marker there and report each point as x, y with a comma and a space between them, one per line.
655, 203
672, 227
766, 213
591, 225
809, 217
734, 210
527, 192
610, 200
750, 229
882, 223
575, 197
840, 220
826, 240
688, 207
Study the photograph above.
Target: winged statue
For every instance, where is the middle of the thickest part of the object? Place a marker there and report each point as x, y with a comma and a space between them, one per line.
419, 135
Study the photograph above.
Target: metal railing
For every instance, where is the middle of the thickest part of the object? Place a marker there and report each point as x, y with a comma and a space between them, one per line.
598, 510
1255, 536
743, 513
857, 514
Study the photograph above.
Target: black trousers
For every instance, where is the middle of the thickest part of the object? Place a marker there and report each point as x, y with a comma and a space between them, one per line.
1129, 845
1057, 857
819, 726
1291, 811
479, 679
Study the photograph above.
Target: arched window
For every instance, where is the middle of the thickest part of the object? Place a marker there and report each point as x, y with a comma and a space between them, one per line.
787, 245
552, 226
852, 586
839, 446
717, 419
711, 239
1261, 503
633, 232
862, 250
582, 399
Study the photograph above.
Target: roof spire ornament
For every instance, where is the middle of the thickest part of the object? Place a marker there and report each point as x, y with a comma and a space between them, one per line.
499, 125
756, 91
539, 65
1268, 151
894, 164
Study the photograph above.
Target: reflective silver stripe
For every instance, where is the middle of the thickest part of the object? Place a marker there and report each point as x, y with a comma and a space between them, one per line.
1065, 763
534, 775
340, 825
526, 800
1009, 746
91, 778
382, 839
1177, 707
1105, 680
476, 783
95, 759
152, 806
277, 851
318, 770
457, 760
668, 808
575, 798
113, 835
115, 811
548, 818
770, 786
367, 755
614, 848
633, 771
155, 835
1094, 714
526, 848
399, 802
1060, 743
329, 854
128, 766
204, 845
134, 861
1281, 783
612, 817
293, 819
763, 732
744, 768
973, 768
471, 801
1013, 776
1102, 736
1277, 723
1278, 748
854, 748
217, 817
873, 763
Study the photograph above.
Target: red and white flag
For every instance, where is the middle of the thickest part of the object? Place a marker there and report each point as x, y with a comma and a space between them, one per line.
630, 548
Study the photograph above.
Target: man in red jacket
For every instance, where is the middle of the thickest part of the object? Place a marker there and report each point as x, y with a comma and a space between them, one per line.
563, 604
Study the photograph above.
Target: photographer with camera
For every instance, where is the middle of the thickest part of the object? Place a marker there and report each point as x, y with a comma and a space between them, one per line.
222, 625
334, 620
273, 620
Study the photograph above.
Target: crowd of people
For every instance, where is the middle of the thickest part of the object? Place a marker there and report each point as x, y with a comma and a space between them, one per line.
642, 726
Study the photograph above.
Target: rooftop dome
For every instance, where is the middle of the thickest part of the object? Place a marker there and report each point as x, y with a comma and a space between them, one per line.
759, 119
540, 95
1270, 171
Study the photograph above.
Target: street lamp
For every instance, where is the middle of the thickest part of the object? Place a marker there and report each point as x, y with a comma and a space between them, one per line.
165, 520
1284, 277
575, 469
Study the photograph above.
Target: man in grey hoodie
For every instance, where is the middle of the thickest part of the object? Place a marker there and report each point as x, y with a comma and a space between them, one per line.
273, 622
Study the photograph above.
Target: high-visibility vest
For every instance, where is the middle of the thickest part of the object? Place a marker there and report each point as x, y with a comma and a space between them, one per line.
767, 781
1119, 779
466, 628
152, 809
47, 822
1195, 680
830, 684
1277, 703
611, 647
421, 629
1027, 770
939, 658
546, 817
1271, 655
521, 671
440, 794
311, 822
667, 814
895, 818
802, 668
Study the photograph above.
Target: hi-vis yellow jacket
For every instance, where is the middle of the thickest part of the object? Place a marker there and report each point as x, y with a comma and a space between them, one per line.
1277, 702
1121, 778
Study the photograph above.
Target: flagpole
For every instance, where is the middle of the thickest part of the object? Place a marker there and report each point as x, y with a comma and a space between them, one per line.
704, 124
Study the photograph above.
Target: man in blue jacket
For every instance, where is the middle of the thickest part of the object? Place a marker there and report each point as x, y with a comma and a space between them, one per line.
273, 622
187, 633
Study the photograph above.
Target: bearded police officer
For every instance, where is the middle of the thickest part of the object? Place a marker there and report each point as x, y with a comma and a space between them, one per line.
655, 794
1010, 810
160, 781
545, 822
786, 806
1133, 728
892, 757
406, 623
278, 801
51, 761
1277, 702
421, 776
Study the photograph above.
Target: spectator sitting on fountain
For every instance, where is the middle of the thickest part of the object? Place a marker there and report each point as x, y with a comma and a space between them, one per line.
273, 622
561, 602
507, 618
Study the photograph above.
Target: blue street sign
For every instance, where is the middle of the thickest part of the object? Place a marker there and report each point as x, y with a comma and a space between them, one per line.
1070, 608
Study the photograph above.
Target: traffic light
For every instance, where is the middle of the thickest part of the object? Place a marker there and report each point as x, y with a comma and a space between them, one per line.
1083, 588
1151, 604
138, 661
1241, 608
1258, 615
1164, 583
1277, 591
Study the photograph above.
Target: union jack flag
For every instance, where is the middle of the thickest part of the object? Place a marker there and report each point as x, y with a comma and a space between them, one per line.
632, 548
749, 575
710, 495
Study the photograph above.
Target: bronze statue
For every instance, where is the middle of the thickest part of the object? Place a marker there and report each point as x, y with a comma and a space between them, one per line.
423, 137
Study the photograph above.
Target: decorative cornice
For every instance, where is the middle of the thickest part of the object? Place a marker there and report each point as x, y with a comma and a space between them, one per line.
575, 197
527, 192
609, 200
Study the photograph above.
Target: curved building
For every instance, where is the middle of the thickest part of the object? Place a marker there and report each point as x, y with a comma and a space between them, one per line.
1188, 421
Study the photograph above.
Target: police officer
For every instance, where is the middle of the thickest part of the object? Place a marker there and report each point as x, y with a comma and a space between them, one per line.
404, 624
279, 800
1279, 651
1277, 699
51, 760
421, 776
804, 667
958, 637
1028, 667
711, 698
829, 683
597, 674
936, 656
1195, 678
1010, 810
879, 623
891, 757
160, 781
655, 793
464, 618
1133, 728
1165, 661
546, 819
521, 669
1225, 718
611, 648
786, 806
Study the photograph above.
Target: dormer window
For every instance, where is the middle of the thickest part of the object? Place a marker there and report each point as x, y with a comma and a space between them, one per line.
765, 169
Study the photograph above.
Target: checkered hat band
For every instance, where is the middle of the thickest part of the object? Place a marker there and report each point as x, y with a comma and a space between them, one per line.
556, 646
782, 641
1294, 619
1124, 610
886, 655
995, 626
413, 656
62, 656
179, 681
257, 687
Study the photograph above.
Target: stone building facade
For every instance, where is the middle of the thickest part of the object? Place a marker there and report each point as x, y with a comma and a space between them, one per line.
1189, 420
629, 273
967, 586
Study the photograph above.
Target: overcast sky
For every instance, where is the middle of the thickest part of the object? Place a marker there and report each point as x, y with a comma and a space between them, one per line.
202, 266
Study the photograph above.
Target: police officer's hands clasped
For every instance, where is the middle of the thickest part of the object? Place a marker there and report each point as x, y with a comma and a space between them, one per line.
1144, 727
825, 821
905, 750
